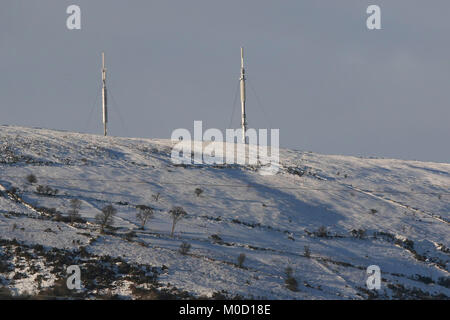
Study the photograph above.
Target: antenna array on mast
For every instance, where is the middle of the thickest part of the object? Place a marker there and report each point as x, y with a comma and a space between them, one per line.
242, 81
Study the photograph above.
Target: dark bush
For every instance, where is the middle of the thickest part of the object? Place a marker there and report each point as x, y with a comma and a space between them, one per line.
216, 238
290, 281
184, 248
130, 235
198, 192
241, 260
31, 178
322, 232
360, 233
291, 284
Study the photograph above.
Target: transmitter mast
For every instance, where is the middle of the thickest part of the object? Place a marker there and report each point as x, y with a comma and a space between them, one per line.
104, 96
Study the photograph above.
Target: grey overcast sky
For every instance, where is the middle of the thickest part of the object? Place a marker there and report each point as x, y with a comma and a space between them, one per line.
328, 83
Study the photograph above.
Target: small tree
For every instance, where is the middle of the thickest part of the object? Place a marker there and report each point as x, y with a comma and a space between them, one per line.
241, 259
31, 178
106, 218
74, 212
177, 213
144, 214
198, 192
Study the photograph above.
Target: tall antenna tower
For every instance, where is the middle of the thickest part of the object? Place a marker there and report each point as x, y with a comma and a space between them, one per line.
104, 96
242, 80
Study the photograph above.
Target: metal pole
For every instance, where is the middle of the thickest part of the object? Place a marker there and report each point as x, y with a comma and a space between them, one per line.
242, 80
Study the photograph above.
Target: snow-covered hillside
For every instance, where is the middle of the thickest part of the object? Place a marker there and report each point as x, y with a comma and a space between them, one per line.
326, 217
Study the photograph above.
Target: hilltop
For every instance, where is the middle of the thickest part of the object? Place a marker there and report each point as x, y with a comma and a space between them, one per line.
328, 217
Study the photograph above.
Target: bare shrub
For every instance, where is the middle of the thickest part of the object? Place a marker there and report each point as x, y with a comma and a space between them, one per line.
106, 218
156, 196
177, 213
144, 214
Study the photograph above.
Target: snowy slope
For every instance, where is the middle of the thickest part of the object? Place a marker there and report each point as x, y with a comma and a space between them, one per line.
401, 209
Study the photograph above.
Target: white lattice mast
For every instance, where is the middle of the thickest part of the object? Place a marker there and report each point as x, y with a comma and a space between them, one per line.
242, 80
104, 96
